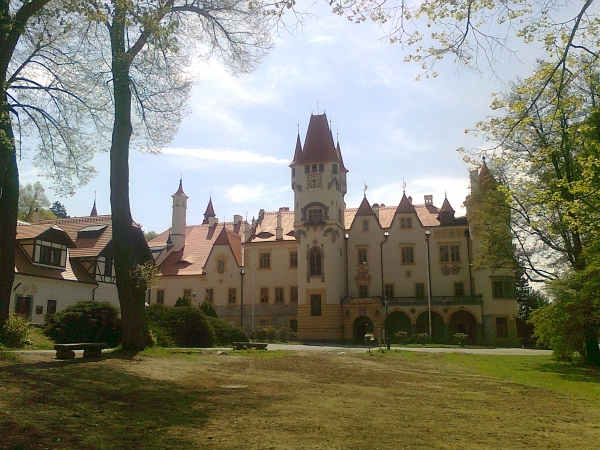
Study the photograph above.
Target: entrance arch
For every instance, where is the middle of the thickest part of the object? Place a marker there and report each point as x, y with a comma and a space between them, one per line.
437, 326
397, 321
362, 325
464, 322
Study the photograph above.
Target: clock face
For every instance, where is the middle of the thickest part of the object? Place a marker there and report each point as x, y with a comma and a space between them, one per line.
314, 180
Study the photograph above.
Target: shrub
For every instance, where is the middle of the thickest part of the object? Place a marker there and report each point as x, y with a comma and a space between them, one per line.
15, 331
292, 335
182, 301
86, 321
160, 337
401, 337
158, 315
460, 339
283, 333
189, 327
207, 308
225, 333
272, 333
261, 333
423, 338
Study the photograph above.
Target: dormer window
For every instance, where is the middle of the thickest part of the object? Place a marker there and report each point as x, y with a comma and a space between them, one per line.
50, 253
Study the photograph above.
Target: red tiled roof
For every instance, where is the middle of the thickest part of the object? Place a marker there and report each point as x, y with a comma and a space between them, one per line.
233, 240
87, 246
265, 231
365, 208
318, 145
405, 206
180, 190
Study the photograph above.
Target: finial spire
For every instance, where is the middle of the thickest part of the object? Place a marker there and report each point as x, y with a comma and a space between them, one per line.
403, 186
365, 187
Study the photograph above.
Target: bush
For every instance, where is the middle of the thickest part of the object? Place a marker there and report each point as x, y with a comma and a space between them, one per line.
401, 337
460, 339
292, 335
182, 301
423, 338
225, 333
15, 331
207, 308
160, 337
283, 333
261, 333
189, 327
86, 321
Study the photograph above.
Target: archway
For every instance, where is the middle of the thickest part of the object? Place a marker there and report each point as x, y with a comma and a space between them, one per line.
464, 322
362, 325
437, 326
397, 321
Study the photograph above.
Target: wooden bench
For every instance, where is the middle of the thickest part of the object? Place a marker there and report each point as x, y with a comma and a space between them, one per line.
248, 345
90, 350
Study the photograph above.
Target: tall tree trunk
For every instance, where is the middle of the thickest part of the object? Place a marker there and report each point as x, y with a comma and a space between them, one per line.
131, 297
9, 201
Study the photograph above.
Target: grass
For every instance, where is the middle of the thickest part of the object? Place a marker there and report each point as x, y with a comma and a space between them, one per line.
162, 399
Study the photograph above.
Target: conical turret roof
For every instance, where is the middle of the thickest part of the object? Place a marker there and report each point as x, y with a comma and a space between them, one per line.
318, 145
297, 153
405, 206
365, 208
94, 212
210, 212
180, 190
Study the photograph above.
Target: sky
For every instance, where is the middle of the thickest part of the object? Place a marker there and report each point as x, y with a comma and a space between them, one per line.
237, 141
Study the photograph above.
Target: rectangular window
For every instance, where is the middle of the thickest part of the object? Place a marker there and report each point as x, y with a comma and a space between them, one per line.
39, 309
294, 325
264, 295
187, 293
294, 294
503, 289
315, 215
160, 296
444, 253
389, 290
306, 169
209, 295
50, 255
313, 168
321, 167
420, 291
278, 295
362, 256
51, 307
363, 291
108, 267
293, 259
315, 304
334, 168
232, 295
501, 327
459, 290
455, 253
408, 255
264, 260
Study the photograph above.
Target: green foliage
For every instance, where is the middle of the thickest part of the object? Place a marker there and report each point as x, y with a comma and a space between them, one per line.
272, 334
182, 301
183, 326
59, 210
15, 331
401, 337
86, 321
460, 339
225, 333
423, 338
146, 275
207, 308
149, 235
32, 198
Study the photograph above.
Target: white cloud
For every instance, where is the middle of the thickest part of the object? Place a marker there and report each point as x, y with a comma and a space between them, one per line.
242, 156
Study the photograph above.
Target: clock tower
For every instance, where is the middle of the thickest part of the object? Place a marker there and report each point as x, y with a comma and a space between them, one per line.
319, 185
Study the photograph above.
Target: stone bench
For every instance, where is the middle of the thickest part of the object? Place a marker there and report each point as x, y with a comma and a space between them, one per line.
90, 350
247, 345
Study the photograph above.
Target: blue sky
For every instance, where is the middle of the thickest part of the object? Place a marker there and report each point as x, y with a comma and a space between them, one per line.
239, 137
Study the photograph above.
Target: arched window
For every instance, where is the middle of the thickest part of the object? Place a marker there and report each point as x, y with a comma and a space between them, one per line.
402, 223
408, 223
366, 225
315, 258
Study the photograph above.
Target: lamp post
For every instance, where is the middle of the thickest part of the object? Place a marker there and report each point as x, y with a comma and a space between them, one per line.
194, 296
386, 235
242, 272
427, 234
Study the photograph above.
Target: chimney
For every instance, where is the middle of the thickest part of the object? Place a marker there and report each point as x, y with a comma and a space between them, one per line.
237, 219
410, 200
279, 229
429, 200
35, 217
212, 221
474, 178
376, 209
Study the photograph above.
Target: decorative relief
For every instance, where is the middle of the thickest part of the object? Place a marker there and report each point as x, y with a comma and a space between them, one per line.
447, 233
450, 270
335, 181
298, 234
335, 233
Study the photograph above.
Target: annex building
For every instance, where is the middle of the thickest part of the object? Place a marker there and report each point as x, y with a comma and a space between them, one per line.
333, 273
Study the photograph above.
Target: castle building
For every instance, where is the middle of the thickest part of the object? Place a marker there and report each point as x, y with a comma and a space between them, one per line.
334, 273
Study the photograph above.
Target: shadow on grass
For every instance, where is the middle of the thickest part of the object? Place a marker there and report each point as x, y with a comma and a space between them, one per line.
77, 404
571, 372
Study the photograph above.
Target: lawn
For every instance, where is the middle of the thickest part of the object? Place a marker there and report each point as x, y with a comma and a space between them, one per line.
282, 400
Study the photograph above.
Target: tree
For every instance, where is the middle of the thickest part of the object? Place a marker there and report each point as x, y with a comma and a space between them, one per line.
59, 210
33, 198
548, 156
149, 45
149, 235
41, 74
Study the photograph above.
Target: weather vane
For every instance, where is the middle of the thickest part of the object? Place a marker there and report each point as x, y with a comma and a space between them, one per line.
365, 188
403, 186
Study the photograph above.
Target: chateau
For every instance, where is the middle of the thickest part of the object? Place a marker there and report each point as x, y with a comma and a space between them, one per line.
333, 273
